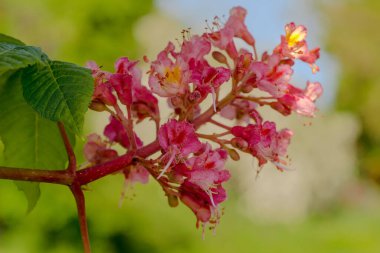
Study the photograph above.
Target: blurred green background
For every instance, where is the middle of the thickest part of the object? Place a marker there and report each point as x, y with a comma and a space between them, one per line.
330, 203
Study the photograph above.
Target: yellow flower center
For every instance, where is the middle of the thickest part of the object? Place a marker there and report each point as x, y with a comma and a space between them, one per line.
173, 75
296, 36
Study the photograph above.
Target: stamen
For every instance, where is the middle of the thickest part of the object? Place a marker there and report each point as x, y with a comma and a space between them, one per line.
213, 98
282, 166
259, 169
167, 165
123, 193
209, 193
203, 230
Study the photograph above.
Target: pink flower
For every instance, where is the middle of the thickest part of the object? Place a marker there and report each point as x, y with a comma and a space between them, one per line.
301, 101
201, 188
238, 109
236, 23
144, 104
127, 84
169, 77
313, 90
234, 27
103, 93
178, 136
124, 66
223, 39
177, 139
103, 89
122, 84
294, 45
116, 132
196, 48
243, 64
136, 174
272, 75
96, 72
206, 78
207, 168
132, 175
264, 142
96, 151
200, 203
172, 72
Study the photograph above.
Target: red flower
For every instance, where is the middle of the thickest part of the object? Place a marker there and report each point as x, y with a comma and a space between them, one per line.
96, 151
116, 132
264, 142
178, 140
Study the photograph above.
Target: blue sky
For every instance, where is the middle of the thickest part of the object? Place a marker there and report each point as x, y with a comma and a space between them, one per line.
266, 20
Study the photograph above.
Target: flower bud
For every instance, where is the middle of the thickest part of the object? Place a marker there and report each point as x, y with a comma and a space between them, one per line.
239, 143
172, 200
219, 57
247, 88
194, 96
233, 154
98, 106
176, 102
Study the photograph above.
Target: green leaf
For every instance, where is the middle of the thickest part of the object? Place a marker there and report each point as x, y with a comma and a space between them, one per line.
30, 141
31, 191
59, 91
10, 40
13, 56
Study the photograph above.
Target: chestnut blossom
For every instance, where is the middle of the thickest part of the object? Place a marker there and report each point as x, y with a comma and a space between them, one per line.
238, 109
116, 132
96, 151
187, 169
234, 28
136, 174
178, 140
200, 179
179, 137
243, 65
264, 142
125, 86
124, 66
294, 45
300, 101
103, 89
144, 104
169, 77
177, 73
272, 75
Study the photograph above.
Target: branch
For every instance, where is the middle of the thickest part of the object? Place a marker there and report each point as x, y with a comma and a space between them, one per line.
207, 115
96, 172
69, 150
35, 175
220, 124
81, 207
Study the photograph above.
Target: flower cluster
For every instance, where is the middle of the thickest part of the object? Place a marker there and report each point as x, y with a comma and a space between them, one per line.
190, 165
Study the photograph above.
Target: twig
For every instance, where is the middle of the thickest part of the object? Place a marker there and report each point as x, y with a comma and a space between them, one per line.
220, 124
81, 207
69, 150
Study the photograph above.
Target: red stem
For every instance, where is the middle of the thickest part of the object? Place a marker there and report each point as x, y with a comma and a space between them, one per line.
35, 175
219, 124
93, 173
127, 124
130, 128
81, 207
69, 150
